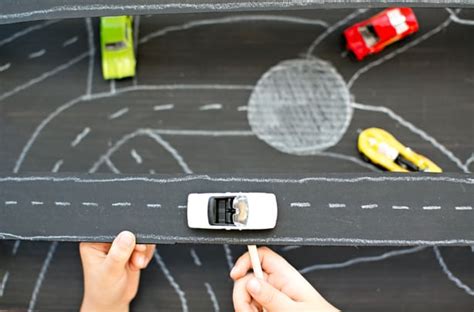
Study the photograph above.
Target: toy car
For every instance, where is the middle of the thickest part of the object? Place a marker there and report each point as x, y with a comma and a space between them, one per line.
232, 211
116, 43
381, 148
373, 35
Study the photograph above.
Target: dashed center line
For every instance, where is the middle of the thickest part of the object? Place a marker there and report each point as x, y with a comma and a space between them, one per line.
121, 204
35, 203
37, 54
70, 41
336, 205
163, 107
401, 207
80, 136
118, 113
243, 108
10, 202
154, 205
463, 207
90, 204
369, 206
4, 67
182, 207
300, 204
62, 203
210, 107
431, 207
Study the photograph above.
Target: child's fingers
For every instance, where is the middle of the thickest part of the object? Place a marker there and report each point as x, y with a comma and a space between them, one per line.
140, 247
241, 298
120, 252
140, 259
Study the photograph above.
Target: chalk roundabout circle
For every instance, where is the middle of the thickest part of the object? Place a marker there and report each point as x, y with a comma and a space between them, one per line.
300, 107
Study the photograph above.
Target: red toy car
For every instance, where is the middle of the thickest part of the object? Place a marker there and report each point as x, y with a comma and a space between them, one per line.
373, 35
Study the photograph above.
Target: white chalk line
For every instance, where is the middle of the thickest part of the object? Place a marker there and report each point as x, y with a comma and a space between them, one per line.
415, 130
163, 107
182, 206
300, 204
16, 245
121, 204
41, 276
331, 29
43, 76
57, 166
62, 203
289, 248
136, 156
153, 205
212, 296
450, 275
431, 207
463, 208
37, 54
174, 153
90, 43
247, 241
26, 31
402, 49
4, 283
454, 17
230, 179
231, 19
4, 67
11, 202
80, 136
242, 108
112, 86
118, 113
369, 206
195, 257
36, 203
69, 41
336, 205
172, 281
214, 106
469, 161
400, 207
111, 166
228, 256
87, 204
386, 255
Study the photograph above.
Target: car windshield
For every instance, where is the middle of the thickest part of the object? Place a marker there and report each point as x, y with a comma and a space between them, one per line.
369, 35
113, 46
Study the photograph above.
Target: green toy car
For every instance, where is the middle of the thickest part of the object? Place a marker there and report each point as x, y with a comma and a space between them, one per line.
116, 42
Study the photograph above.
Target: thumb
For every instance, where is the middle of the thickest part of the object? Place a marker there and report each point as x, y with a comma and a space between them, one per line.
120, 252
270, 298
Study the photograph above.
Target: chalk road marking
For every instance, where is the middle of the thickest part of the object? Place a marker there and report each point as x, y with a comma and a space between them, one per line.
369, 206
153, 205
90, 204
336, 205
301, 205
10, 202
36, 203
431, 207
463, 208
62, 203
400, 207
121, 204
163, 107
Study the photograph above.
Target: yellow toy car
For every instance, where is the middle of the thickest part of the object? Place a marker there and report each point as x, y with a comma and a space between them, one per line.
116, 43
382, 149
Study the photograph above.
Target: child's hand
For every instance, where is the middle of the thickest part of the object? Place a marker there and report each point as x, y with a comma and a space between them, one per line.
112, 272
284, 288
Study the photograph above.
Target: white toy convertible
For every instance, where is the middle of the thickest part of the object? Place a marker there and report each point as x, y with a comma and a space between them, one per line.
232, 211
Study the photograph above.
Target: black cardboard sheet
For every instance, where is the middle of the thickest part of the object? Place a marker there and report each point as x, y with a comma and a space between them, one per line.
355, 209
24, 10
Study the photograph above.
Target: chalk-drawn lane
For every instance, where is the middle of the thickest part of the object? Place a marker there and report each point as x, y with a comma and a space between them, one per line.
336, 216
